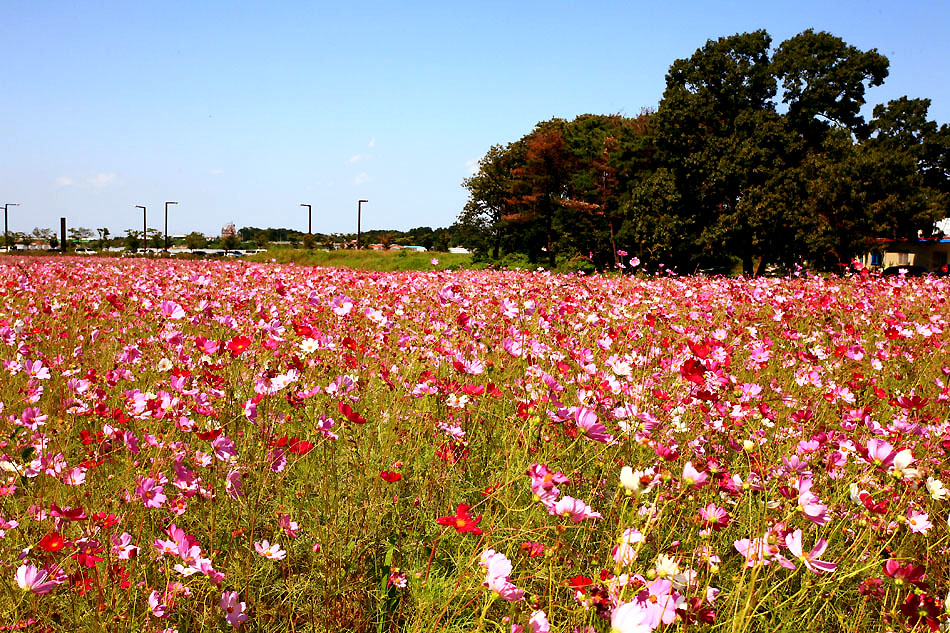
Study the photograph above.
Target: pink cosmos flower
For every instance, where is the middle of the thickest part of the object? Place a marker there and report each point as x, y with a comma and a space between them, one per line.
497, 570
692, 477
588, 424
630, 617
268, 550
714, 517
880, 452
626, 551
289, 527
172, 310
157, 605
794, 543
233, 608
538, 622
151, 493
659, 601
35, 579
575, 509
918, 522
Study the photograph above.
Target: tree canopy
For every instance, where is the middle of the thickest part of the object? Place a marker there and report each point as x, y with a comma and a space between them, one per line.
756, 153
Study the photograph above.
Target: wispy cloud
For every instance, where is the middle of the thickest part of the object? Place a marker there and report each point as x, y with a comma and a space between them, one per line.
472, 166
355, 158
217, 171
103, 179
359, 180
64, 181
372, 142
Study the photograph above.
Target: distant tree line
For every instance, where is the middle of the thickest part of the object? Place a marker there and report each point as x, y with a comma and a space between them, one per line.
754, 154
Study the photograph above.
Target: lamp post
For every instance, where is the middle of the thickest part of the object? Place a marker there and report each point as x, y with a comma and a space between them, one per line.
144, 228
359, 213
166, 223
309, 218
6, 233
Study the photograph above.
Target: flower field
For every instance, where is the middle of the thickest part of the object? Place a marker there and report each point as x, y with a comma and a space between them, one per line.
204, 446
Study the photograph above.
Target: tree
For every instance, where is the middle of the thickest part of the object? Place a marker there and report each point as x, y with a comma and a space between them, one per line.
824, 81
230, 241
539, 188
489, 193
80, 234
132, 240
196, 240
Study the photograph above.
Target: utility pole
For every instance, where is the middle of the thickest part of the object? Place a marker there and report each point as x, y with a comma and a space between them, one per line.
309, 218
6, 232
166, 223
359, 213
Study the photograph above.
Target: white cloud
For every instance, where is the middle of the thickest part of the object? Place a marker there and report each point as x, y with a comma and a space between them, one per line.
64, 181
355, 159
103, 179
372, 142
472, 166
359, 180
217, 171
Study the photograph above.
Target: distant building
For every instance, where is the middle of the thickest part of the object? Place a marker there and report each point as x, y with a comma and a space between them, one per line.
459, 250
229, 230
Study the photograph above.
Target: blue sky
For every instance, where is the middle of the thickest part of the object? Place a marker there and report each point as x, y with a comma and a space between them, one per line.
241, 111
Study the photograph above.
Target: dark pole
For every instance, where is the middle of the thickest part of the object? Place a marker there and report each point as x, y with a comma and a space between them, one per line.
359, 212
6, 232
144, 228
309, 218
62, 235
166, 224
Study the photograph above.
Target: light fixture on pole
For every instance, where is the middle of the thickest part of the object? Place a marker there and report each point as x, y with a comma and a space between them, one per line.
6, 232
309, 218
144, 228
359, 213
166, 224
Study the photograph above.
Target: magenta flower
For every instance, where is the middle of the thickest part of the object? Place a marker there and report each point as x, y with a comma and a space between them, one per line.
588, 424
233, 609
794, 543
574, 509
151, 493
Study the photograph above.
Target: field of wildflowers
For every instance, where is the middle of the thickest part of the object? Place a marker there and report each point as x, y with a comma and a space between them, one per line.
203, 446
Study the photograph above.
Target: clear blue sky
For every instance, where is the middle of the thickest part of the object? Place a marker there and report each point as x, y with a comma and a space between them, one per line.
242, 110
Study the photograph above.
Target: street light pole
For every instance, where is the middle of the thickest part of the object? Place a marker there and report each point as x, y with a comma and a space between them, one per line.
6, 233
359, 213
166, 224
144, 228
309, 218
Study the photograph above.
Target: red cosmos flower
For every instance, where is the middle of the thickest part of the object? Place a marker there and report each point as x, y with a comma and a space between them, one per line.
104, 521
921, 609
67, 513
579, 582
209, 436
52, 542
913, 402
909, 573
462, 521
238, 345
390, 476
350, 414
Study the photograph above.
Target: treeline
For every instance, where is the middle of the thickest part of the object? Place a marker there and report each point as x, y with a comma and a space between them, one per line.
754, 154
438, 239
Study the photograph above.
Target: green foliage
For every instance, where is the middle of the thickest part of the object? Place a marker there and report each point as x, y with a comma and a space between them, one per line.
720, 170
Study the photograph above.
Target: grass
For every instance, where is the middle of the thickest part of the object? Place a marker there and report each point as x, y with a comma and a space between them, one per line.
387, 261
